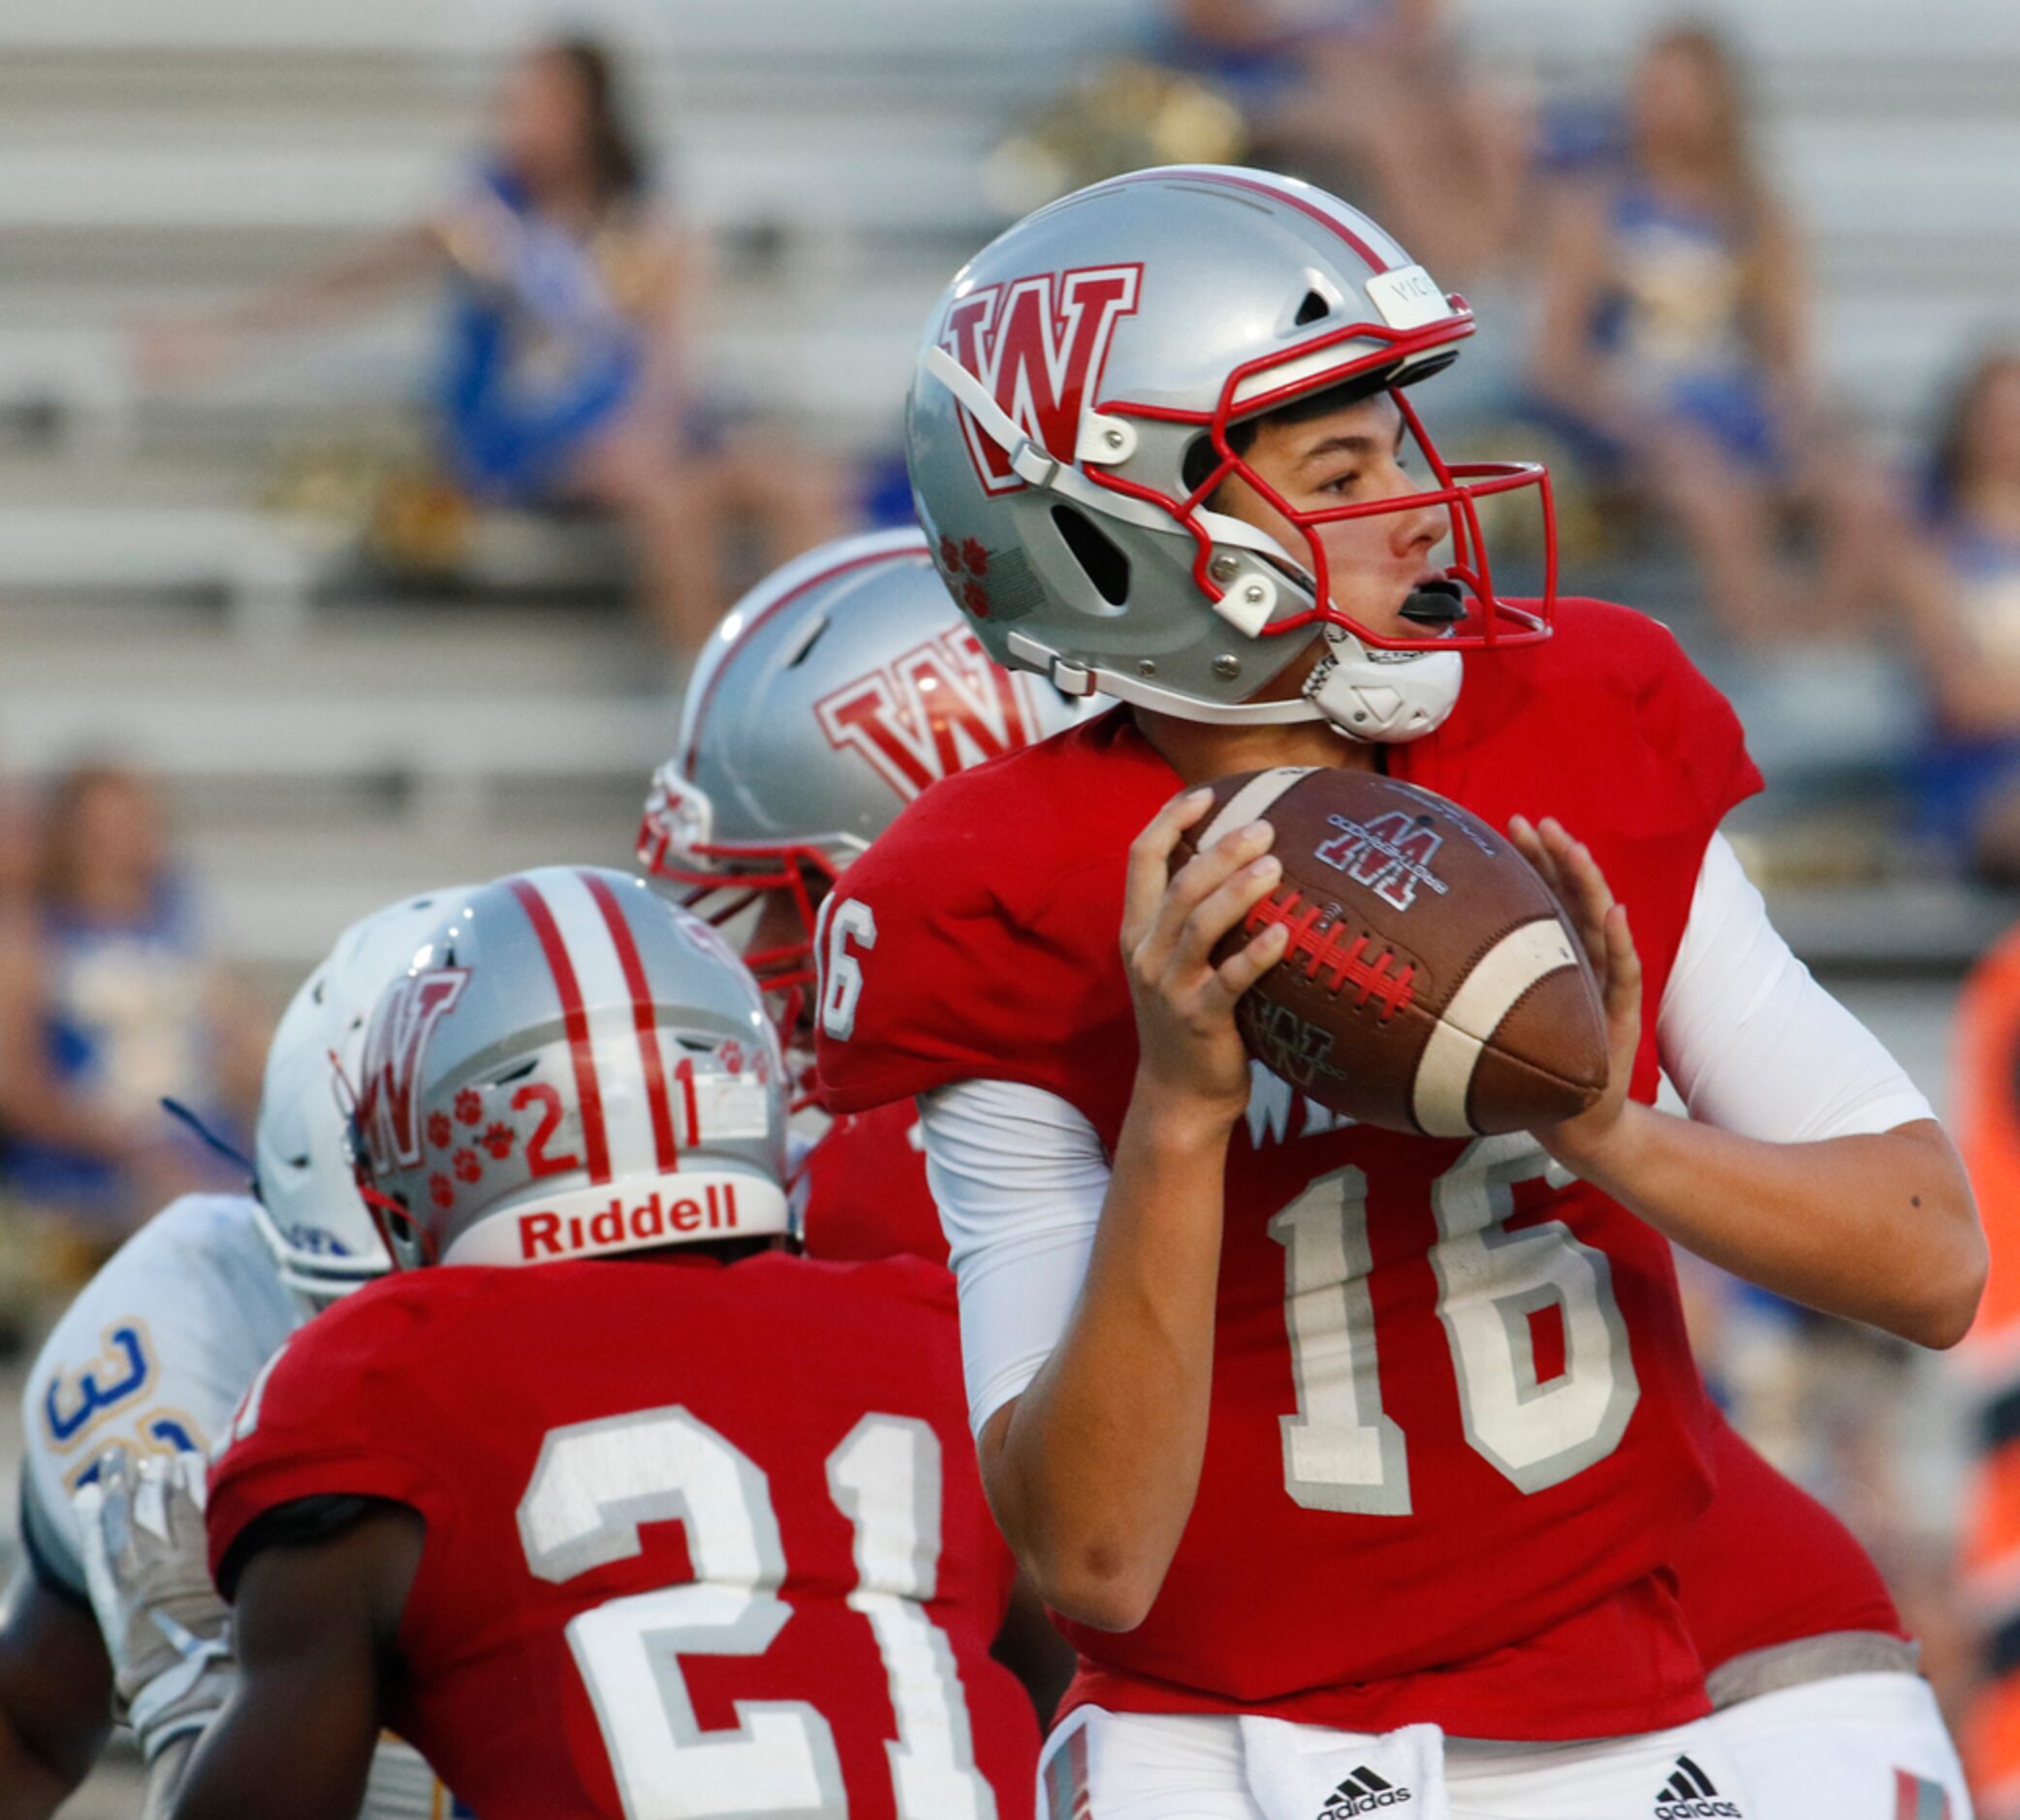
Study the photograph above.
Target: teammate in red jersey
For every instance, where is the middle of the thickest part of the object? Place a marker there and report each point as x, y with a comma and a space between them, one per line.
675, 1523
1326, 1440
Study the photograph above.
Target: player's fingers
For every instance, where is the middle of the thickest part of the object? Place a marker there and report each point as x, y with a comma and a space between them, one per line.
1529, 844
1150, 861
1574, 859
1623, 967
1593, 897
1219, 911
1199, 878
1581, 887
1239, 972
194, 1480
151, 1504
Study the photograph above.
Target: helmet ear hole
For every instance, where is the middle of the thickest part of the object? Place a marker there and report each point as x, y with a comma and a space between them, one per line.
1201, 459
1100, 561
1315, 309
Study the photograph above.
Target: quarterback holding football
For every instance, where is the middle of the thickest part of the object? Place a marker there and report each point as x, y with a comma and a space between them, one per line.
1363, 1463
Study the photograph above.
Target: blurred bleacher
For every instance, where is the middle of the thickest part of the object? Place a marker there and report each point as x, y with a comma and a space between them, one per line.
332, 743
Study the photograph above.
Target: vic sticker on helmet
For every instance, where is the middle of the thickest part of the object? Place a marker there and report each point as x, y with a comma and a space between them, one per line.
392, 1048
1038, 344
937, 710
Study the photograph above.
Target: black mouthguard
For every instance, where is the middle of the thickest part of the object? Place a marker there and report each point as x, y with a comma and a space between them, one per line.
1435, 604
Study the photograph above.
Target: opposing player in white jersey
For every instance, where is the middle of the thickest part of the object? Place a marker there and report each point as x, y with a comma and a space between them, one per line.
113, 1610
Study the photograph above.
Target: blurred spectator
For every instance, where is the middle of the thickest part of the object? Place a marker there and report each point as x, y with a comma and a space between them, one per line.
1673, 343
106, 1006
1958, 575
565, 374
1373, 99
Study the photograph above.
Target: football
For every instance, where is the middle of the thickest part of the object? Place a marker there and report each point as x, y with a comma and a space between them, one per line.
1432, 984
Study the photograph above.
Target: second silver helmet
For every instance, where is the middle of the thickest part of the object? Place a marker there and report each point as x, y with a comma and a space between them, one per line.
830, 695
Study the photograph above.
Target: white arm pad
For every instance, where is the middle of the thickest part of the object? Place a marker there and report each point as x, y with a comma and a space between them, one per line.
1752, 1043
1020, 1177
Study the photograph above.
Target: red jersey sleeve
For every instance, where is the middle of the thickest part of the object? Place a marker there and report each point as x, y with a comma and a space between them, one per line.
325, 1417
1689, 721
977, 939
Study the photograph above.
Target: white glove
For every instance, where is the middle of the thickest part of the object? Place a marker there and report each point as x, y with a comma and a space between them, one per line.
167, 1631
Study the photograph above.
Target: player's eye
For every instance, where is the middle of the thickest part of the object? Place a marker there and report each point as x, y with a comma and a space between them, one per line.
1342, 484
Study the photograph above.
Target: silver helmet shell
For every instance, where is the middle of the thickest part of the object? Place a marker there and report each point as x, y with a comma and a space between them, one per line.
1071, 379
829, 697
570, 1067
324, 1242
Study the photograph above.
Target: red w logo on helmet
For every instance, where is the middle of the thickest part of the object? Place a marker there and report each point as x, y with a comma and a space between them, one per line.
400, 1032
1037, 343
937, 710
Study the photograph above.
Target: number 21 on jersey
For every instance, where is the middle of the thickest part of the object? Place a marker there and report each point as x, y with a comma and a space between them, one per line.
596, 1482
1341, 1453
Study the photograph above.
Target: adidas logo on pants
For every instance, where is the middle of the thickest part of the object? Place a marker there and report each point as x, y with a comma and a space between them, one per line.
1362, 1792
1688, 1795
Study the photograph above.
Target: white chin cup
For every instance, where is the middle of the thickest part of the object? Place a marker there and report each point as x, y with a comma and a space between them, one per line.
1379, 695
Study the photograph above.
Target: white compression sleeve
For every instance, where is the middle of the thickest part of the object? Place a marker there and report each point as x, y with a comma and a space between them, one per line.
1020, 1177
1752, 1043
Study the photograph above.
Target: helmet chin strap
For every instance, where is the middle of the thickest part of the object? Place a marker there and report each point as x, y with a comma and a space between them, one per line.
1382, 697
1375, 697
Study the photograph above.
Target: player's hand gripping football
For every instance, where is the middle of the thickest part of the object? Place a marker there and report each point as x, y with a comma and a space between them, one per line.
1568, 867
1191, 1051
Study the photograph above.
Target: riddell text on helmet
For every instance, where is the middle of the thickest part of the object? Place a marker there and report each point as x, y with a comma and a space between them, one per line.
543, 1235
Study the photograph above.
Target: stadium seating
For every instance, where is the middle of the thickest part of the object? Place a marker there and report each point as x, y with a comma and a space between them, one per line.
155, 159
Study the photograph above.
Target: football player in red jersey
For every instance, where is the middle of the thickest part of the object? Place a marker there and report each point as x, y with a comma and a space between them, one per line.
1339, 1451
829, 697
620, 1509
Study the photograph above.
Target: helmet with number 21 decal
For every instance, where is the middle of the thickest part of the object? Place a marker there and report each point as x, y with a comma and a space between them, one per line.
571, 1067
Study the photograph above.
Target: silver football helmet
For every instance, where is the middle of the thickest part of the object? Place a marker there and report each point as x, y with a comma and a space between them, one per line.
1068, 423
829, 697
570, 1067
322, 1238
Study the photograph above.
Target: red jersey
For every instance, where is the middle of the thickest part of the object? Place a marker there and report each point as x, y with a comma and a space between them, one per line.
1768, 1564
690, 1528
1456, 1434
864, 1183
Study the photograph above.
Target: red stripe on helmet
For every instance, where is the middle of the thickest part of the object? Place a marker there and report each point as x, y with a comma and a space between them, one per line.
907, 553
1290, 198
642, 1019
576, 1019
